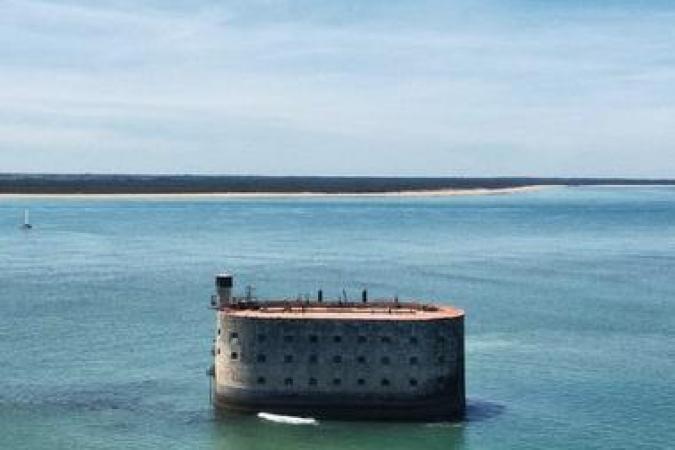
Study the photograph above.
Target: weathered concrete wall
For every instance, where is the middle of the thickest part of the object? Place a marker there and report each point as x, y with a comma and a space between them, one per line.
349, 365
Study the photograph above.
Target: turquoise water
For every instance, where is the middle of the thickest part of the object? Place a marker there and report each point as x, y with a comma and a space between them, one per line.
569, 292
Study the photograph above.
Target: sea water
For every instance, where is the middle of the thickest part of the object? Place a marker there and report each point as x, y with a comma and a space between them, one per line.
105, 334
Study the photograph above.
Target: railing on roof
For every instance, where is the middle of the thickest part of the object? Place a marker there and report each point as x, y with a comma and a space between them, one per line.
334, 307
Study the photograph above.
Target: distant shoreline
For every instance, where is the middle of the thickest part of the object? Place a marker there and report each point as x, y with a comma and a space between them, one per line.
272, 195
286, 186
216, 195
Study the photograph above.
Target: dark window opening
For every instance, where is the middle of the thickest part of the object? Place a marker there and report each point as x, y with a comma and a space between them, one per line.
385, 360
288, 338
218, 351
261, 380
337, 381
313, 382
234, 355
261, 338
234, 335
413, 360
384, 382
361, 359
337, 339
314, 339
262, 358
413, 382
288, 381
362, 339
313, 359
413, 340
218, 331
441, 359
386, 339
337, 359
361, 382
440, 339
288, 358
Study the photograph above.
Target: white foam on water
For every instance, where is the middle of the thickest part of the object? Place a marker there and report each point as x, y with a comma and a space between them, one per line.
289, 420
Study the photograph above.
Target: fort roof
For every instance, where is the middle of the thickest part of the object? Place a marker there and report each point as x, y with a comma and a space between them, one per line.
378, 310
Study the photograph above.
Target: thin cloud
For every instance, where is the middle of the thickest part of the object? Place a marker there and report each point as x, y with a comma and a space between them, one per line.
397, 89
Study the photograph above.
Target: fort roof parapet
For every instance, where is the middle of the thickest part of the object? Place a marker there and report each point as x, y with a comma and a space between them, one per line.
374, 310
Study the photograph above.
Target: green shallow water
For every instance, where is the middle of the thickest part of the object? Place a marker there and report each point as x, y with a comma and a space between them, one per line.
570, 300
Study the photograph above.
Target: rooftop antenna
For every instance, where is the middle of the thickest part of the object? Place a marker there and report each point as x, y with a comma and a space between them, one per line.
249, 293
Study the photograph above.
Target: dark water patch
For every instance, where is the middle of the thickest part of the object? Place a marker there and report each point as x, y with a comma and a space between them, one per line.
232, 430
113, 396
478, 410
136, 397
147, 406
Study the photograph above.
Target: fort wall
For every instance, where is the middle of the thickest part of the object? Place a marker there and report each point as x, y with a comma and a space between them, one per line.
406, 367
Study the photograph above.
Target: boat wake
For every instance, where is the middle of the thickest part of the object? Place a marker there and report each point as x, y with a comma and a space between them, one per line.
289, 420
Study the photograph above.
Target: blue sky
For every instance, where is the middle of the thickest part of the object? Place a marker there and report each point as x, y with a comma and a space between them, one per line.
481, 87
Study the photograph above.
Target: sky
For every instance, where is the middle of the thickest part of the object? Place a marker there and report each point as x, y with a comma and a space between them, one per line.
300, 87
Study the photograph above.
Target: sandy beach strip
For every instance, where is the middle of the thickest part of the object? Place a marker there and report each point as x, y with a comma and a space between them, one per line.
265, 195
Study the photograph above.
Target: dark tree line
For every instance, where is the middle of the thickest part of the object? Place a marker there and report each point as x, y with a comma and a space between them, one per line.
150, 184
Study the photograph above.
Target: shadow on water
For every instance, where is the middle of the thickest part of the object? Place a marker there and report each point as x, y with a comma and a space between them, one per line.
480, 410
253, 433
232, 430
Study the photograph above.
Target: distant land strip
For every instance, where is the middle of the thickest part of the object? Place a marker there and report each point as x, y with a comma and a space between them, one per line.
254, 184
